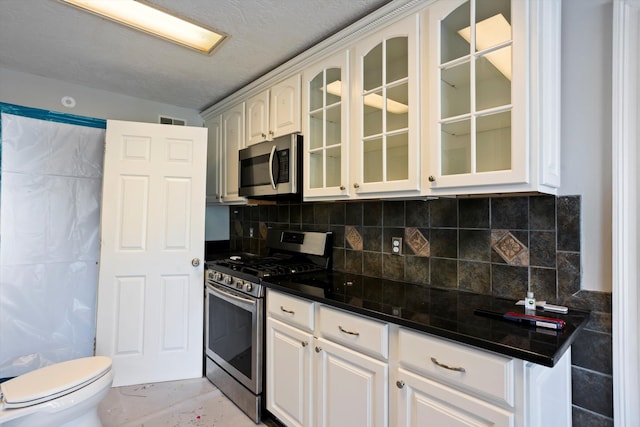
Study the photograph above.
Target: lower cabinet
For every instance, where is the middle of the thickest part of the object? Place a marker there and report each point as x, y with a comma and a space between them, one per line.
351, 388
329, 367
425, 403
289, 373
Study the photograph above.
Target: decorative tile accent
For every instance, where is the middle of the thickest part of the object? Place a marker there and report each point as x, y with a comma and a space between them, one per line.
416, 241
353, 237
512, 250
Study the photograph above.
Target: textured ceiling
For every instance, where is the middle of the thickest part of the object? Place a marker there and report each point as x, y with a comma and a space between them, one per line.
51, 39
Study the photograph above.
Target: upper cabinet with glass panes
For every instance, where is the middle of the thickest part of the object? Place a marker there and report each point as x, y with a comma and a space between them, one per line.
326, 128
492, 107
385, 147
428, 98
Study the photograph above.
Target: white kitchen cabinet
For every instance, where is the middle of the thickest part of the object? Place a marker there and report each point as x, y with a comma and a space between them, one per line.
492, 104
352, 372
214, 169
274, 112
351, 388
232, 140
439, 382
439, 98
289, 358
327, 128
289, 363
326, 103
385, 148
312, 380
423, 402
327, 367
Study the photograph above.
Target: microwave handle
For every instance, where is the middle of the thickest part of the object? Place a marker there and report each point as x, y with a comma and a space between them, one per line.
271, 174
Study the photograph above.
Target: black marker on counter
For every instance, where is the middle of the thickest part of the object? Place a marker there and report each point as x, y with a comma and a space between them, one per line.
529, 319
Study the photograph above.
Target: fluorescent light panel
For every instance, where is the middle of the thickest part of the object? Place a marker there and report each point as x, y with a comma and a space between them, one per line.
490, 32
144, 17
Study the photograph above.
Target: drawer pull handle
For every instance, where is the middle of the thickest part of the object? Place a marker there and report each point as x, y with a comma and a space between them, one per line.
287, 311
348, 332
451, 368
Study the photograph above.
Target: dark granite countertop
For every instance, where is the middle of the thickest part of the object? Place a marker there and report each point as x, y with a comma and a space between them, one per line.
440, 312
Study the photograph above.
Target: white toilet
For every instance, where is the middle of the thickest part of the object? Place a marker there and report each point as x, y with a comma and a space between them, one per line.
64, 394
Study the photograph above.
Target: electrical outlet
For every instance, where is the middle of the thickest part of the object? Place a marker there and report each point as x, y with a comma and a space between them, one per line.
396, 245
250, 231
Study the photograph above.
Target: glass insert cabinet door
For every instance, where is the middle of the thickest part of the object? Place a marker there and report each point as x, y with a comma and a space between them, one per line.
326, 156
387, 87
478, 78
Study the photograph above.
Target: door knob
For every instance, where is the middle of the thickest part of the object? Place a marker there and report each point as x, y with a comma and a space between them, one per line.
195, 262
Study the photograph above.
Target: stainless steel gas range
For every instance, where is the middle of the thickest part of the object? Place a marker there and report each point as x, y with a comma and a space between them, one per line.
234, 311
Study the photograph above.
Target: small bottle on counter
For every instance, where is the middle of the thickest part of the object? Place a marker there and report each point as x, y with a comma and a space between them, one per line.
529, 302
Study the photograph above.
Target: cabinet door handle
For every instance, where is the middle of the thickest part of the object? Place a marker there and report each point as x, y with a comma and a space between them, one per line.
287, 311
271, 133
348, 332
356, 185
451, 368
432, 178
400, 384
318, 349
264, 135
304, 343
342, 188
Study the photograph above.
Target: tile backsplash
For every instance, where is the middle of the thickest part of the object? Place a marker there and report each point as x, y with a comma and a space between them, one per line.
500, 246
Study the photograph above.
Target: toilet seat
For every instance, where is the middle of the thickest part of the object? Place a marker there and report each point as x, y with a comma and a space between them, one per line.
52, 381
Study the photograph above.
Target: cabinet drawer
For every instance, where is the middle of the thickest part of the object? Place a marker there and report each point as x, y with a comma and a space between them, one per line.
485, 373
292, 310
353, 331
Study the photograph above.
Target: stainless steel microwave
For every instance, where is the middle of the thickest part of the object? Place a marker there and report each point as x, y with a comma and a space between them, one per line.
271, 168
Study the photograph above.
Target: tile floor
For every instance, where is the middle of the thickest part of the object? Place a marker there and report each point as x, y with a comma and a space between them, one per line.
194, 402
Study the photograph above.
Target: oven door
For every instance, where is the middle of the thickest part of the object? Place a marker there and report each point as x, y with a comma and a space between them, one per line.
233, 334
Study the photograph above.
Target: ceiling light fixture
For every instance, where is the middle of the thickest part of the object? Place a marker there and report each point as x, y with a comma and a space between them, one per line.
491, 32
149, 19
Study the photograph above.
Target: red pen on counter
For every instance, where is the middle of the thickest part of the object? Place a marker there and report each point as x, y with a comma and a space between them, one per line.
529, 319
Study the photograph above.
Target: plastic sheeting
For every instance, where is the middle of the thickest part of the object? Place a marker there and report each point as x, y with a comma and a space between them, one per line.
50, 188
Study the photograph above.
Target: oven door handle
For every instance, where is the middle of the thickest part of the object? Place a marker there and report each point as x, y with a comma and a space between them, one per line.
224, 294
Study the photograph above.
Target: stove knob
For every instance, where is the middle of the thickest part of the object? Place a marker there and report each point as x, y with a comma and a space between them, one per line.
228, 280
239, 284
217, 276
248, 286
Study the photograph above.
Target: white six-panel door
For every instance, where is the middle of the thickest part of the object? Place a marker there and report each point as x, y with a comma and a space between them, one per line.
150, 293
